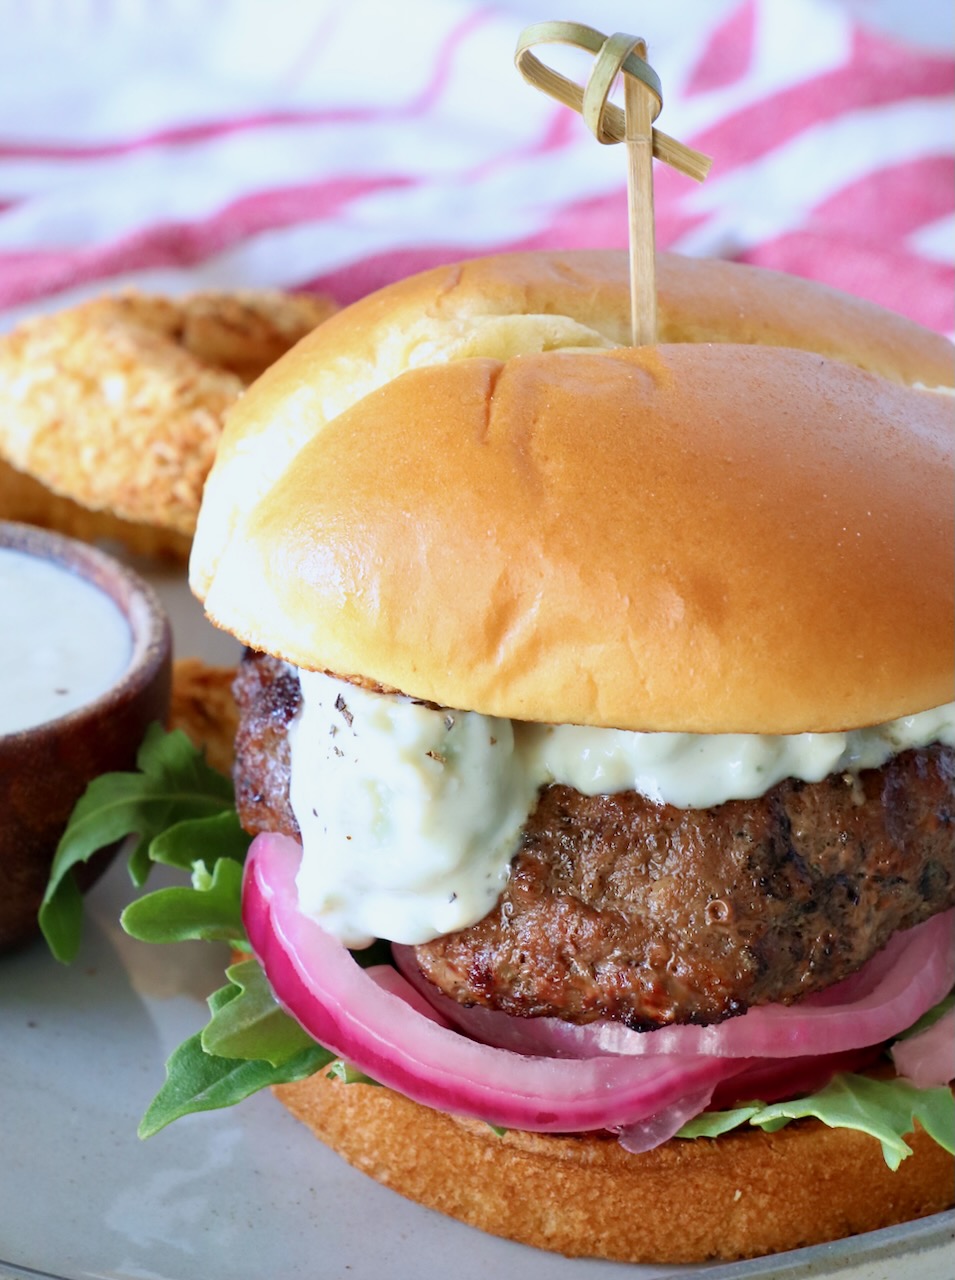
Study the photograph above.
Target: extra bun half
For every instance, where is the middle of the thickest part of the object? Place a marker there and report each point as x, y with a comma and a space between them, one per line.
742, 1195
538, 522
110, 411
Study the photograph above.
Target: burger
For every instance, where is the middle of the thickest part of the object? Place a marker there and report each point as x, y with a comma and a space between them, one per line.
597, 736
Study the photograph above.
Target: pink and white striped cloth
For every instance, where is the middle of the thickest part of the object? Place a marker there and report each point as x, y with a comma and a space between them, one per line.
180, 144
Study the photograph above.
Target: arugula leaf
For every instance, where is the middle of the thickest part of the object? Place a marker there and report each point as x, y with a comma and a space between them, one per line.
710, 1124
210, 911
252, 1024
344, 1071
208, 839
200, 1081
886, 1109
61, 917
174, 784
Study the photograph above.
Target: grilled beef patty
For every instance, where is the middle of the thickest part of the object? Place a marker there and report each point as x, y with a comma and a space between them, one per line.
620, 908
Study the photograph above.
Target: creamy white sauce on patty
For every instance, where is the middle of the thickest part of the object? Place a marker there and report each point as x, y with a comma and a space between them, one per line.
410, 816
63, 642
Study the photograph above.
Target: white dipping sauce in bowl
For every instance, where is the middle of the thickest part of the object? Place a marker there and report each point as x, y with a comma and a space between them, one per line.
63, 641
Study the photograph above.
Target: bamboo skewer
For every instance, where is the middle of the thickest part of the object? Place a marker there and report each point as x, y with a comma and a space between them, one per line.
638, 130
643, 100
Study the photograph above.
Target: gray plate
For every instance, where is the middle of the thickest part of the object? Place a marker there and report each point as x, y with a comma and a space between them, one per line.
245, 1192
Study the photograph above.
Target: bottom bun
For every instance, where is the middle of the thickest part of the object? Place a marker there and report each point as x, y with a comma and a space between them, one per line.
742, 1195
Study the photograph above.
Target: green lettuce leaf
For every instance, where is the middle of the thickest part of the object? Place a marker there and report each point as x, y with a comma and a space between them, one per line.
886, 1109
173, 784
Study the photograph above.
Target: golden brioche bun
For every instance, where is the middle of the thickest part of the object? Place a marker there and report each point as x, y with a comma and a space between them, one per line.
742, 1195
709, 535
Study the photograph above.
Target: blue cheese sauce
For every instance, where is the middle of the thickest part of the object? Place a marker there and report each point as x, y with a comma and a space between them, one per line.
410, 816
63, 642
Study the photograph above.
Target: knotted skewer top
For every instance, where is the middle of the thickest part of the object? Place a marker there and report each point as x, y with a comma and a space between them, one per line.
643, 101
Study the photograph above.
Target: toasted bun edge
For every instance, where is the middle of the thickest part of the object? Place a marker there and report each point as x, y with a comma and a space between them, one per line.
742, 1195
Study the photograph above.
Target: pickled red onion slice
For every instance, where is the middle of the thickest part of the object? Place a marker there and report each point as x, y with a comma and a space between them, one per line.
644, 1135
380, 1033
928, 1059
893, 989
390, 979
768, 1079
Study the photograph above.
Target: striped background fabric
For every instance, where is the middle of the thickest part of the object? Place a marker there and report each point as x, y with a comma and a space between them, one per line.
180, 144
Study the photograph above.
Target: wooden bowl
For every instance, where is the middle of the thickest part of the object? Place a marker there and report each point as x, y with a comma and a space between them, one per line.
44, 769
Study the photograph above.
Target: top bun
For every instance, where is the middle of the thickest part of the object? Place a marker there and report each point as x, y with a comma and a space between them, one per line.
497, 504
